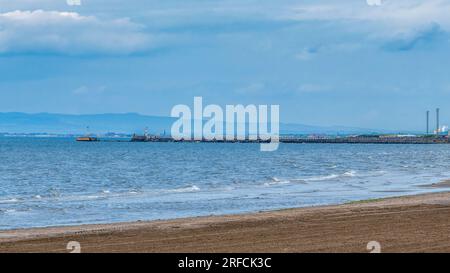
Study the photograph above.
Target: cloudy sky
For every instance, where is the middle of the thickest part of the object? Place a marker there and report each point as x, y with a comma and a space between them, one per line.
325, 62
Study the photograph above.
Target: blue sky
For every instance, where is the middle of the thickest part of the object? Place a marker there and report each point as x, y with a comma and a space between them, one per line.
324, 62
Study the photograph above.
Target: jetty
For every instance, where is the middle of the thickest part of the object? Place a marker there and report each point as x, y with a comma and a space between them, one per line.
358, 139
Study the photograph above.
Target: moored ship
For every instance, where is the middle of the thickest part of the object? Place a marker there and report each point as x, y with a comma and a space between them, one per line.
87, 139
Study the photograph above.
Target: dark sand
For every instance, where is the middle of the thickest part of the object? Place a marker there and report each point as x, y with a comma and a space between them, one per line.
405, 224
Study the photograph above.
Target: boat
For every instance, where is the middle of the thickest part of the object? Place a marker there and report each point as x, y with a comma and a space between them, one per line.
141, 138
138, 138
87, 139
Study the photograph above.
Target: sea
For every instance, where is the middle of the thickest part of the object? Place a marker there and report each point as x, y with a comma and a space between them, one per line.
48, 181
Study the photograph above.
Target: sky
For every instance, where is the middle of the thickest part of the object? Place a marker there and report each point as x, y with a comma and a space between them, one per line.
365, 63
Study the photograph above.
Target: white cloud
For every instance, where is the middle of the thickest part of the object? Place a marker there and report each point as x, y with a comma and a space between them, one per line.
374, 2
312, 88
305, 54
390, 18
308, 53
69, 33
252, 88
73, 2
72, 33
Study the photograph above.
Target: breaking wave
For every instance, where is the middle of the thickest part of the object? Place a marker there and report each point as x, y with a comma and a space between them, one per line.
277, 181
11, 200
192, 188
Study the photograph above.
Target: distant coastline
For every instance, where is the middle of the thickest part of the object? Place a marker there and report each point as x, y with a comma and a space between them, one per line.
129, 123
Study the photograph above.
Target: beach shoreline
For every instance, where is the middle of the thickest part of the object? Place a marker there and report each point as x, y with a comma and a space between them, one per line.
417, 223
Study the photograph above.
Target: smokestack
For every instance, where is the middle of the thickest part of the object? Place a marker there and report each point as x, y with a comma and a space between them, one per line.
428, 122
437, 121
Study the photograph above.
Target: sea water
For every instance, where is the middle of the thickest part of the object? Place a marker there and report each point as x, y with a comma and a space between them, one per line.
58, 181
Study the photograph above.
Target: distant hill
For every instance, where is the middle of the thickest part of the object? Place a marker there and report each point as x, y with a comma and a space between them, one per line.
128, 123
290, 128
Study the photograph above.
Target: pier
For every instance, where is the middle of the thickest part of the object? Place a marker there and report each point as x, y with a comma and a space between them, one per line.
361, 139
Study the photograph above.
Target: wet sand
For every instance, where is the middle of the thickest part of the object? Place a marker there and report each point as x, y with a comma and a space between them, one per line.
406, 224
442, 184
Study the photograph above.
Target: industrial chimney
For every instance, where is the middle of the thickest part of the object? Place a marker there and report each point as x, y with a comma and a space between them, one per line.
437, 121
428, 122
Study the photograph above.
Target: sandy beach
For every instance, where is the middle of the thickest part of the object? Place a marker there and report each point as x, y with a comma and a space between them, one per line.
405, 224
